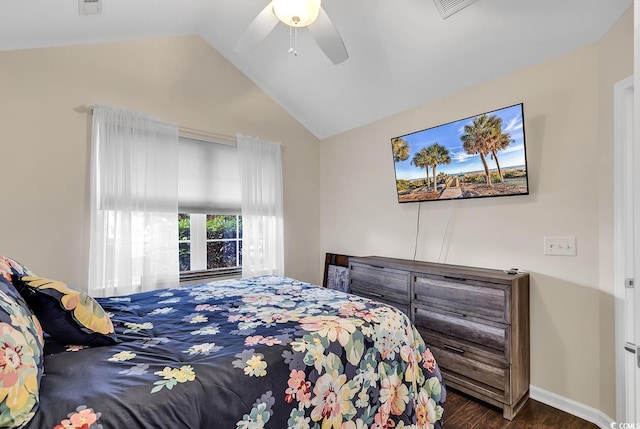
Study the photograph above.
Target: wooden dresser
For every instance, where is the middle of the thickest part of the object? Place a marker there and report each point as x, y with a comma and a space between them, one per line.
475, 321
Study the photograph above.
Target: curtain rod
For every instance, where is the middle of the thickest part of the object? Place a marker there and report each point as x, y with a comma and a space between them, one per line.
206, 135
184, 131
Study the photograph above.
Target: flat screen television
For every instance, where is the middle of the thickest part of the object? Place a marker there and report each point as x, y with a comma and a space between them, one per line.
475, 157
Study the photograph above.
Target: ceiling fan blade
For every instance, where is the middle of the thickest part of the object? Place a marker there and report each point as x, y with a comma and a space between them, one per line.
258, 30
328, 38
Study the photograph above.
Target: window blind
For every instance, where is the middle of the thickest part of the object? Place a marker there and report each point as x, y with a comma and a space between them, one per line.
208, 177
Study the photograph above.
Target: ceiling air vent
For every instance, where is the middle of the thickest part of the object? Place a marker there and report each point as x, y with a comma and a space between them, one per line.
90, 7
449, 7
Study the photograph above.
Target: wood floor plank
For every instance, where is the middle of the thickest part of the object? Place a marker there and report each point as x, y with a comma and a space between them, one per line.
464, 412
456, 400
467, 416
454, 403
530, 417
492, 420
559, 419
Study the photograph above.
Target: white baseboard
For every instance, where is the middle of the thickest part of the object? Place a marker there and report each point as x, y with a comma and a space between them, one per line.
570, 406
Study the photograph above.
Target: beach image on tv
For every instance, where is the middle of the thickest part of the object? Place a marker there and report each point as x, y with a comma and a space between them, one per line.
480, 156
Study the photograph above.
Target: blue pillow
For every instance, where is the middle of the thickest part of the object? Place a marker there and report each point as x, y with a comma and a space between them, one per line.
66, 313
21, 363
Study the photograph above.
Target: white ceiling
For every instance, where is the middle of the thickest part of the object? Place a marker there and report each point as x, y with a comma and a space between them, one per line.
402, 52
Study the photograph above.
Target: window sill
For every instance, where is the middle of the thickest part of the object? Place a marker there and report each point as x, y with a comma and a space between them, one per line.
190, 276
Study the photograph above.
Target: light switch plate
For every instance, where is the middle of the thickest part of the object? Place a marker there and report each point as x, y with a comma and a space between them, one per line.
560, 246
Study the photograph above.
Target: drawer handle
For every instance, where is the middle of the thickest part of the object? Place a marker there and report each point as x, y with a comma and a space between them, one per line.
455, 314
453, 349
460, 279
376, 295
377, 266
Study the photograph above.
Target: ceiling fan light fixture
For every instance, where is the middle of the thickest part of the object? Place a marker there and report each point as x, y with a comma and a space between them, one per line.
296, 13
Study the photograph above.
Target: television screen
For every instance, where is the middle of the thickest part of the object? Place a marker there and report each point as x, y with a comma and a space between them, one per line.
476, 157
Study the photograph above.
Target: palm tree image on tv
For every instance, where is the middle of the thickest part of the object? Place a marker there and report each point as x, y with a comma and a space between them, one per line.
431, 156
400, 149
475, 157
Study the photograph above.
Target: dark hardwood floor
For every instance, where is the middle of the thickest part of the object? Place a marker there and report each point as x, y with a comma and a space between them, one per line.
465, 412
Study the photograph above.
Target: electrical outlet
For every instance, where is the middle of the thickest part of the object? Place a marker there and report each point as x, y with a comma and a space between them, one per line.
560, 246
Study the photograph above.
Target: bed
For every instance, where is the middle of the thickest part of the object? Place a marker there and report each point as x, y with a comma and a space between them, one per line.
262, 352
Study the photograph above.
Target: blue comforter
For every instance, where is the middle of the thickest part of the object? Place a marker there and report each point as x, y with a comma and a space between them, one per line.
264, 352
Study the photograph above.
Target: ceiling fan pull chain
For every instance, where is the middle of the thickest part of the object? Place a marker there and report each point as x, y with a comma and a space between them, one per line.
293, 40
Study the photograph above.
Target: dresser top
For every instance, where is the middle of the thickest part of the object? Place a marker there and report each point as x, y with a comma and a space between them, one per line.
439, 269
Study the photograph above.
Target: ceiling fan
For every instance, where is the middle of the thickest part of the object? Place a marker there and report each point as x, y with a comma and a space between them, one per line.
296, 14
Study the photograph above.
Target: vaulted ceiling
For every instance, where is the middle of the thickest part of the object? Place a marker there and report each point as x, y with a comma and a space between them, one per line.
402, 53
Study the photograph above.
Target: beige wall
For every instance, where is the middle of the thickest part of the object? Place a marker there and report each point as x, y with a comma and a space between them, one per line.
568, 124
45, 140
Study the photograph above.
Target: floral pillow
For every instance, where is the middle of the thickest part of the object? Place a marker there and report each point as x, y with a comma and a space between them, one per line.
21, 363
67, 314
10, 267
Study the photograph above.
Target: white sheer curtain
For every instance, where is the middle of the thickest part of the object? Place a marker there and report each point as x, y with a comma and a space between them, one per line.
134, 203
262, 212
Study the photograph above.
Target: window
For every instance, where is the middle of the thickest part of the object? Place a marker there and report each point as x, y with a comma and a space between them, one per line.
210, 242
209, 223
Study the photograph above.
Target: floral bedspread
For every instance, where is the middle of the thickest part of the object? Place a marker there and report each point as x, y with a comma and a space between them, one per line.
263, 352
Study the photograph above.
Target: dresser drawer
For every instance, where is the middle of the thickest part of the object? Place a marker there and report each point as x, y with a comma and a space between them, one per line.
464, 296
470, 350
492, 378
379, 282
488, 336
497, 397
